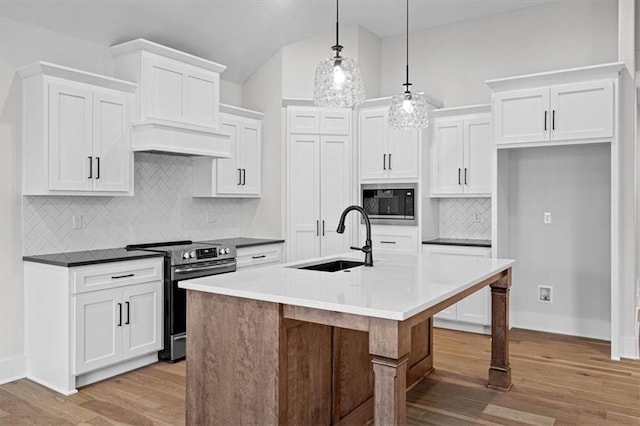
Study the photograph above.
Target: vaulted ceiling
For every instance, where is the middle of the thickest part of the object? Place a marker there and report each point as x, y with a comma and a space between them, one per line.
241, 34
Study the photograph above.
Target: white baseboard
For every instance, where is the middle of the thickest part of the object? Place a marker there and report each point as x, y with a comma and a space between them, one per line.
629, 347
12, 369
594, 329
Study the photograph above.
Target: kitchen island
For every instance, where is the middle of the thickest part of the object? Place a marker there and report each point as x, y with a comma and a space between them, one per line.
284, 345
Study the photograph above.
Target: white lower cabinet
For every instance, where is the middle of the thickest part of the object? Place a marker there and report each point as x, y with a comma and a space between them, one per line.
87, 323
252, 257
472, 313
392, 239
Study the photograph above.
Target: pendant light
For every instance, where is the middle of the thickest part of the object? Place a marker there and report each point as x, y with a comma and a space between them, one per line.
408, 110
338, 82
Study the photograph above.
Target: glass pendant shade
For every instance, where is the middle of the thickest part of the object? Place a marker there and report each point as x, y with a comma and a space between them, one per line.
408, 111
338, 83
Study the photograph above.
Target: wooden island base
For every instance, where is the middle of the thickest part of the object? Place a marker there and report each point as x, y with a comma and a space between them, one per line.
252, 361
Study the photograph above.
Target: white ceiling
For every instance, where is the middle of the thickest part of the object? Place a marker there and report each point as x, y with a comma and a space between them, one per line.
241, 34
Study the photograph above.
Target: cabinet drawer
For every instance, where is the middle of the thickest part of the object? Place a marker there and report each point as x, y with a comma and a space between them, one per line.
260, 255
115, 274
396, 241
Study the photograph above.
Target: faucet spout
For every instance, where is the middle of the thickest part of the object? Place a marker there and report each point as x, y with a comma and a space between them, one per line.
368, 246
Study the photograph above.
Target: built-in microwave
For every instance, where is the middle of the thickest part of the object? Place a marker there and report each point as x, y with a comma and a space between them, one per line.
390, 204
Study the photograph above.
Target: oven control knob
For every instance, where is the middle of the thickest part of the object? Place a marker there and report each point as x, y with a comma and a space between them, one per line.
192, 254
222, 251
225, 251
185, 255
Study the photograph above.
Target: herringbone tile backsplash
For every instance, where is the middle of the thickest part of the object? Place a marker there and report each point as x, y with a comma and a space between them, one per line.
457, 218
161, 210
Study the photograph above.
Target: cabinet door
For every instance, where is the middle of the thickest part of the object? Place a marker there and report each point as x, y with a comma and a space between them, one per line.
477, 156
70, 138
304, 193
402, 161
335, 122
141, 319
447, 157
582, 110
373, 143
250, 141
229, 173
201, 97
335, 191
164, 91
521, 116
111, 150
98, 332
303, 120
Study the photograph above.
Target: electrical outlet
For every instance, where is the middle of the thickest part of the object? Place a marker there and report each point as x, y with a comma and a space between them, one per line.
547, 218
76, 221
211, 218
545, 293
476, 217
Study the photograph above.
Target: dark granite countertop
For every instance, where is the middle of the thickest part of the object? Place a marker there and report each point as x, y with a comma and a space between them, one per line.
459, 242
89, 257
242, 242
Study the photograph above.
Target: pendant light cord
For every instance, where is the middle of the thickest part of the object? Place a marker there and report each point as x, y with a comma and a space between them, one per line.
337, 20
407, 84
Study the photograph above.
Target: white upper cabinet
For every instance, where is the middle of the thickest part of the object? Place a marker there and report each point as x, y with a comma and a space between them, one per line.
461, 152
311, 120
239, 175
177, 106
386, 153
569, 106
522, 116
76, 132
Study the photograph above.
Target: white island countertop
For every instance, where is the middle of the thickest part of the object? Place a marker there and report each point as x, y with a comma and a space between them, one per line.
397, 287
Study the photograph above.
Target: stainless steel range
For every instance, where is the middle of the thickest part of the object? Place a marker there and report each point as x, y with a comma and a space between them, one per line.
184, 260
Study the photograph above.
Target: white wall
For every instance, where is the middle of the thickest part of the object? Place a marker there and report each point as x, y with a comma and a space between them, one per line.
369, 58
263, 92
230, 93
572, 254
451, 63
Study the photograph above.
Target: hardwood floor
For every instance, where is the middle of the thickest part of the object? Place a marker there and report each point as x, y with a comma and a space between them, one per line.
557, 380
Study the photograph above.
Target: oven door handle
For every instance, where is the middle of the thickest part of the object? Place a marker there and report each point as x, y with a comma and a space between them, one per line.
203, 268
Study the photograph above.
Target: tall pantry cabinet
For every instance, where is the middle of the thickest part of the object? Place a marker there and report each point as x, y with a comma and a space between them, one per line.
318, 180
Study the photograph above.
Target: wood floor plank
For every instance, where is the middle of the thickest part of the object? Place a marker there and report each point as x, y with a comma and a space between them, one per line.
569, 380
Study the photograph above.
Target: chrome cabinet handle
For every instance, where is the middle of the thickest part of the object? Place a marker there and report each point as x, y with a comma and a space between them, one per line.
323, 228
90, 167
465, 175
244, 176
119, 314
127, 321
459, 177
262, 256
389, 161
387, 242
545, 121
239, 176
384, 161
317, 228
553, 119
98, 161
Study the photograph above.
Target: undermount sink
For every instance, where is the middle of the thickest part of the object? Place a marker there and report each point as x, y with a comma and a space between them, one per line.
331, 266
